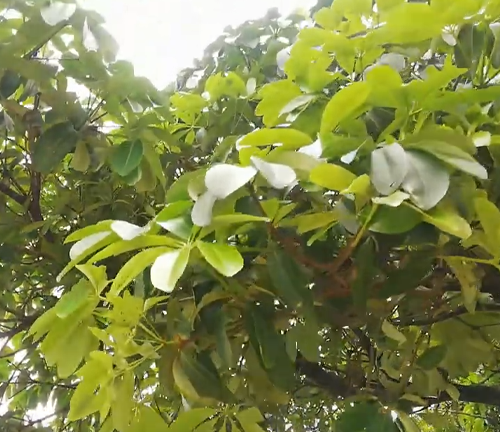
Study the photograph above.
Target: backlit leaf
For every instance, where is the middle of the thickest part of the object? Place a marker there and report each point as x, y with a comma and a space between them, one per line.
344, 104
333, 177
224, 258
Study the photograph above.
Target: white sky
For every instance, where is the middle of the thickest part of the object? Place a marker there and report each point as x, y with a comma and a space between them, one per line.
161, 37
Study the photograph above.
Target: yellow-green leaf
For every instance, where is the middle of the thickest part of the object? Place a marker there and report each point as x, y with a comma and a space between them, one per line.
343, 105
134, 267
226, 259
289, 138
333, 177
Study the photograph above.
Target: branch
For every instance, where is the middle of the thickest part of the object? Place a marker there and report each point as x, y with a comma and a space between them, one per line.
18, 198
426, 321
329, 381
338, 388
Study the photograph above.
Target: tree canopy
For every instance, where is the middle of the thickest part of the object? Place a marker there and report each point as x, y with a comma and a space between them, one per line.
302, 235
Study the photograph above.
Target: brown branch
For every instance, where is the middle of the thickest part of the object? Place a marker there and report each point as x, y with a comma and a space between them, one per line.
338, 388
426, 321
17, 197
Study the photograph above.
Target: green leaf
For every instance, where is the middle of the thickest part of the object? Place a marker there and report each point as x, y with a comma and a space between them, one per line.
288, 279
81, 157
366, 271
289, 138
392, 332
308, 340
236, 218
85, 400
455, 157
310, 222
274, 96
96, 275
176, 219
395, 220
75, 348
389, 166
365, 416
126, 157
495, 52
489, 216
123, 246
427, 180
168, 269
190, 420
447, 220
333, 177
469, 47
469, 283
53, 145
123, 403
344, 104
420, 23
147, 419
440, 134
386, 85
432, 357
135, 266
297, 102
249, 420
89, 230
393, 200
74, 299
9, 83
85, 247
270, 346
226, 259
198, 379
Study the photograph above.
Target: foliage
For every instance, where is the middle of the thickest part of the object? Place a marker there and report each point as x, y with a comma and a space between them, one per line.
302, 235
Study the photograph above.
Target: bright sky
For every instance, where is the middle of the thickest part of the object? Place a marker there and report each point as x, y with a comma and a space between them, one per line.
162, 37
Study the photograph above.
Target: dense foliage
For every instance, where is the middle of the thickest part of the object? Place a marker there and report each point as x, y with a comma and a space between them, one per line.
303, 235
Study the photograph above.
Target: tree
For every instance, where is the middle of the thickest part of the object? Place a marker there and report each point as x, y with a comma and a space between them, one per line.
302, 235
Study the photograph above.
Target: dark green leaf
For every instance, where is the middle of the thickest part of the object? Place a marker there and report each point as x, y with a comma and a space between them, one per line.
53, 145
126, 157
